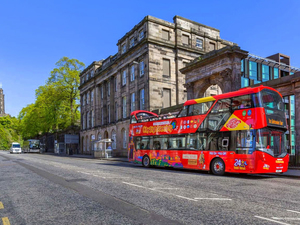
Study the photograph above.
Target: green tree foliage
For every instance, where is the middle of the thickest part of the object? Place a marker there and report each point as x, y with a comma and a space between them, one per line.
57, 102
9, 131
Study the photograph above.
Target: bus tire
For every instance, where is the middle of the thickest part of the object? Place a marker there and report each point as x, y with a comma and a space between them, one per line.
217, 167
146, 161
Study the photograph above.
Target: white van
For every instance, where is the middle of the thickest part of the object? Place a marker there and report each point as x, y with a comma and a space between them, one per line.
15, 148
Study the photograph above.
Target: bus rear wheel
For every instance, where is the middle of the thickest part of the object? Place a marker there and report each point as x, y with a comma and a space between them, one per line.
146, 161
218, 167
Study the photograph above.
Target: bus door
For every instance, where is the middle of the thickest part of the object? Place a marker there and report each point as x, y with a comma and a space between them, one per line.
243, 158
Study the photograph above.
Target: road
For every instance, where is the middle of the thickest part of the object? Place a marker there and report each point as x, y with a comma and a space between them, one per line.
49, 189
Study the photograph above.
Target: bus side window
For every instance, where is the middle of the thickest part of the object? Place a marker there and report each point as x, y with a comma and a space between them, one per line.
183, 112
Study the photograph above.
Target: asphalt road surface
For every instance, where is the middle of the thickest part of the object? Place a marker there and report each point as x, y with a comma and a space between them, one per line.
49, 189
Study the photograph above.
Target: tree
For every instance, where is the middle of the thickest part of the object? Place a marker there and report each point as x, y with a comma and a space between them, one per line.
56, 106
66, 79
9, 131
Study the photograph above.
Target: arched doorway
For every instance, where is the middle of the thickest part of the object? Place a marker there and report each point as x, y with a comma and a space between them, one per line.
212, 90
105, 135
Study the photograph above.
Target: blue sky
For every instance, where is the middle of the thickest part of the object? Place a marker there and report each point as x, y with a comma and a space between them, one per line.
35, 34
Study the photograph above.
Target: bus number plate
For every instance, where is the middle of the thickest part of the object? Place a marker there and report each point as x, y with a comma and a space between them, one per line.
278, 171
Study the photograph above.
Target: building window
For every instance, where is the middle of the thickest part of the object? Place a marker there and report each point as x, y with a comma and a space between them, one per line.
185, 39
131, 42
265, 73
93, 118
92, 73
114, 139
123, 48
141, 68
253, 72
102, 91
116, 111
102, 116
165, 34
124, 107
124, 78
292, 124
132, 73
199, 43
83, 121
108, 113
92, 97
108, 88
115, 80
276, 73
87, 119
166, 98
212, 46
87, 98
244, 82
142, 99
166, 67
141, 35
83, 99
124, 136
132, 103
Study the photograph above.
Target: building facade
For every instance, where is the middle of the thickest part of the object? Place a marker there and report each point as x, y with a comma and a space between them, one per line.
2, 106
143, 75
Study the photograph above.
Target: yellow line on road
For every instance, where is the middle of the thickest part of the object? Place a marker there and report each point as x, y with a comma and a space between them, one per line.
5, 221
1, 205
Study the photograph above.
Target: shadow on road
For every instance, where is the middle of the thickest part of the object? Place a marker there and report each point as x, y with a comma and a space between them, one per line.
189, 171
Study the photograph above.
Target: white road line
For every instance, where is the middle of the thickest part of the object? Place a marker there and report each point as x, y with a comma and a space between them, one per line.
285, 218
292, 211
179, 196
225, 199
263, 218
165, 188
134, 185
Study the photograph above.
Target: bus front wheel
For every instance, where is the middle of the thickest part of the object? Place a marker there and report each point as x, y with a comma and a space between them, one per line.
218, 167
146, 161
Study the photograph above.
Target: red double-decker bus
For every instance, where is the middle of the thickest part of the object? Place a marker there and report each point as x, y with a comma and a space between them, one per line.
238, 132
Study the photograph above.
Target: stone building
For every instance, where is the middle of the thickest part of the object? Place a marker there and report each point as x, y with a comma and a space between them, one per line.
2, 106
144, 74
232, 68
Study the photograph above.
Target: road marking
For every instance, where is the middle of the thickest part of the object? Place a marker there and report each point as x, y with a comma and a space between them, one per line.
263, 218
134, 185
1, 205
179, 196
292, 211
5, 221
225, 199
164, 189
285, 218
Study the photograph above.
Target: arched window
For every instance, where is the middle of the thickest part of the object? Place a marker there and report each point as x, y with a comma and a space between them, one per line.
124, 136
114, 139
99, 136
